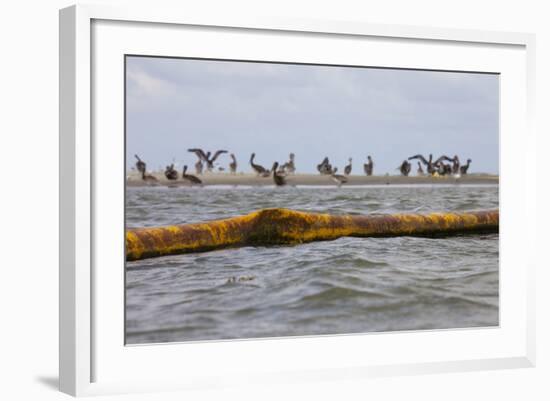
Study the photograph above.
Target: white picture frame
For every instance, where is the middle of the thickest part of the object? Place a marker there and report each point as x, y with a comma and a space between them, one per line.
91, 40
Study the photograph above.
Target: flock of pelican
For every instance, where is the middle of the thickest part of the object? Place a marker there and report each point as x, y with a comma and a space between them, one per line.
278, 172
436, 168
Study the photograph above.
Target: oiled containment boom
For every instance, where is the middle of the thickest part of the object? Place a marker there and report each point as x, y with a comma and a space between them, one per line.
283, 226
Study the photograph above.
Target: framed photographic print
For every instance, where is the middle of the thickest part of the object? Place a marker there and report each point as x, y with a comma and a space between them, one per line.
278, 200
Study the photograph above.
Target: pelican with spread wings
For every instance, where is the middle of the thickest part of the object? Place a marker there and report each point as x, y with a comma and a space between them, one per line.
444, 168
455, 169
430, 165
205, 157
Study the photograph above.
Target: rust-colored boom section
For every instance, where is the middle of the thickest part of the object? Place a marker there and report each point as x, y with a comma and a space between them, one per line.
284, 226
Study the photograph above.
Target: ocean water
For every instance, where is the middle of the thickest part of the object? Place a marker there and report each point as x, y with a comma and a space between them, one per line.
350, 285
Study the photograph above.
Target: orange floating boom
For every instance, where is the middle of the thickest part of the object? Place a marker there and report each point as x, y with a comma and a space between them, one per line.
284, 226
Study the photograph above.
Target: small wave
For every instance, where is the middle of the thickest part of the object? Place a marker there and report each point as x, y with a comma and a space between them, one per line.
339, 294
452, 300
167, 330
346, 260
346, 285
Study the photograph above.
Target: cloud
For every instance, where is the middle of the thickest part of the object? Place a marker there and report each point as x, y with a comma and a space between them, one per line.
143, 84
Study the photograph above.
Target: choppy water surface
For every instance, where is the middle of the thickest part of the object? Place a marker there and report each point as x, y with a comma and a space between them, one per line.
350, 285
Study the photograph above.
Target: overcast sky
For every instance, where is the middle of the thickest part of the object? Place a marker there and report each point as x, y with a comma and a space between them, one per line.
313, 111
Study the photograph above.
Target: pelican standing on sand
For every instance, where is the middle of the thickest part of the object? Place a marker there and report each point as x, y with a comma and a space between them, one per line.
278, 178
260, 170
456, 165
148, 178
233, 164
369, 166
289, 167
464, 169
347, 169
189, 177
140, 165
325, 168
198, 167
170, 172
405, 168
338, 178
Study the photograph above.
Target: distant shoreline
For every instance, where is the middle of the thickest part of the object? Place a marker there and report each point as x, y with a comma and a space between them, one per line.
209, 179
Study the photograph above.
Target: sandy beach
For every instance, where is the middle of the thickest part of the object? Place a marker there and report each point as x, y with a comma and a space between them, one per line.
134, 180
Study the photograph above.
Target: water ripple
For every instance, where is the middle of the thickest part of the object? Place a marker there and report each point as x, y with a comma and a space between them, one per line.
349, 285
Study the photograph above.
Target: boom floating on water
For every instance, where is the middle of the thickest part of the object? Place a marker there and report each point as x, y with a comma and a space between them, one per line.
284, 226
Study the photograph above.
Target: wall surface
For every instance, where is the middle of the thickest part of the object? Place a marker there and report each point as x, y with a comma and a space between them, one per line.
29, 200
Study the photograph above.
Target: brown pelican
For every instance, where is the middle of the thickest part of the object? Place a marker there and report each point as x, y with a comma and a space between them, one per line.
456, 165
233, 164
189, 177
200, 154
419, 171
368, 167
278, 178
405, 168
148, 178
205, 157
325, 168
446, 169
430, 165
289, 167
260, 170
171, 172
198, 167
443, 168
464, 169
347, 169
338, 178
140, 165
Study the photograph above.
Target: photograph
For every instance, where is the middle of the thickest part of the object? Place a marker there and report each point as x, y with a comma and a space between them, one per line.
269, 199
